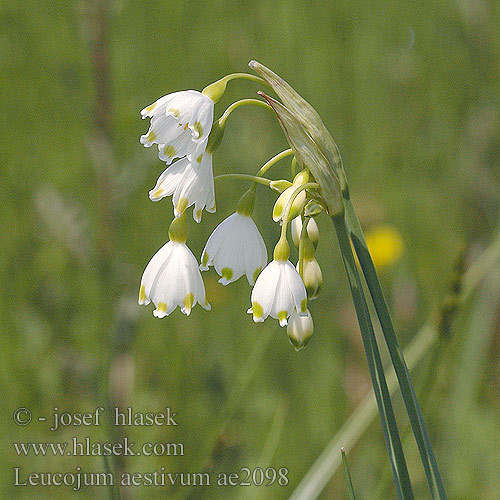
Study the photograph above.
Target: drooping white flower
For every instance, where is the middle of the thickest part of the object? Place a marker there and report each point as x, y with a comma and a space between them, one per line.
180, 125
300, 329
278, 290
172, 279
235, 248
189, 184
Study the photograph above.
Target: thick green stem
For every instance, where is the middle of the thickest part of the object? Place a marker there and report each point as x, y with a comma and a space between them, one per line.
386, 412
410, 399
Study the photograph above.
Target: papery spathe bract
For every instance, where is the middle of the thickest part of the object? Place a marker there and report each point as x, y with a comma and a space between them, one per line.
235, 248
172, 279
189, 184
277, 292
180, 125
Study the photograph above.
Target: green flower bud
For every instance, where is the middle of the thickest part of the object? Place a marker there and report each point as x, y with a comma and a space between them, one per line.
299, 329
282, 201
311, 276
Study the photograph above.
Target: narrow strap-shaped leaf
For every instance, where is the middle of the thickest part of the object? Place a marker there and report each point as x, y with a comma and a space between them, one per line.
386, 412
350, 489
409, 397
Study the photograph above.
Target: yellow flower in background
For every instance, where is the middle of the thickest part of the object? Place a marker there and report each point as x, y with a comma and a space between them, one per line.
385, 245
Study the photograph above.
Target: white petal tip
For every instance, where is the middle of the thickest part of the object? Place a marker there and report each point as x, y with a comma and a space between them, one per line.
283, 322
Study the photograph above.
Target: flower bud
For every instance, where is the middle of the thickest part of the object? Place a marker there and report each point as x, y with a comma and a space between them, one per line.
298, 203
280, 185
312, 231
311, 276
299, 329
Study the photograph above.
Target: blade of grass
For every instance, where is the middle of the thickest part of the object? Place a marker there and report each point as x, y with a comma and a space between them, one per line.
350, 489
429, 462
388, 420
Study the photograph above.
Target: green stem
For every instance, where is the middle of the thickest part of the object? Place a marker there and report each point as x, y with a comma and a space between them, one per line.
274, 160
409, 397
245, 177
242, 102
386, 412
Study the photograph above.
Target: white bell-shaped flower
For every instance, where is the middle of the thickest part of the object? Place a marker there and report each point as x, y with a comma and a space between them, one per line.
180, 125
279, 289
172, 277
300, 329
235, 248
190, 185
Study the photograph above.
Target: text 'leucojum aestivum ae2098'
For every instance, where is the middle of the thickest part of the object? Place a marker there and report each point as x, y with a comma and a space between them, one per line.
182, 126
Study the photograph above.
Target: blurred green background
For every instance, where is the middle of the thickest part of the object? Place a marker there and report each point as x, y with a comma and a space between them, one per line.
410, 92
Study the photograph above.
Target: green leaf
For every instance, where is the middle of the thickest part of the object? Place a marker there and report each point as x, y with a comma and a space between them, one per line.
418, 426
386, 412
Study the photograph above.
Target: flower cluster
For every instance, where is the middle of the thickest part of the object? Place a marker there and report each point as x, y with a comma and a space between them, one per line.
183, 128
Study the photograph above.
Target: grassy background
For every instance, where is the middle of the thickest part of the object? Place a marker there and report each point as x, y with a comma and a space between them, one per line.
410, 91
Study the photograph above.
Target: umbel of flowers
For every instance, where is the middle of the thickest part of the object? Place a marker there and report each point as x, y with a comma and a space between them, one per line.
182, 127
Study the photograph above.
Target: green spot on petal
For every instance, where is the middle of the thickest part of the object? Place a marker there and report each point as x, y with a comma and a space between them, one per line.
227, 272
198, 160
151, 136
162, 307
182, 205
188, 301
257, 310
282, 315
142, 294
175, 112
303, 306
198, 128
170, 151
204, 259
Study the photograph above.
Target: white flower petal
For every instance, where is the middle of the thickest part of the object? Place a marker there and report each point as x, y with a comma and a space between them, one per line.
172, 279
180, 124
235, 248
277, 291
189, 186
